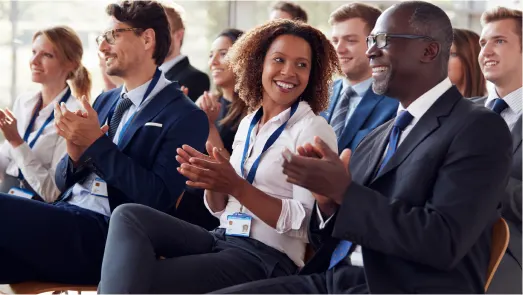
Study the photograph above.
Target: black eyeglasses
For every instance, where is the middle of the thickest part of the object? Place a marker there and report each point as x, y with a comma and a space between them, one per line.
382, 39
110, 36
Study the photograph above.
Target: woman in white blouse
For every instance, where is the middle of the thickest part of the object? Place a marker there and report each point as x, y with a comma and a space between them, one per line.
283, 71
32, 148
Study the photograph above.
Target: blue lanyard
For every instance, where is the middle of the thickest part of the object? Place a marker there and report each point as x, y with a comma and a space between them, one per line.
41, 130
272, 139
150, 88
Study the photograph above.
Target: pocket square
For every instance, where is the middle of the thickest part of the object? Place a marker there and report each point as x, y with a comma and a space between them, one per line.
154, 124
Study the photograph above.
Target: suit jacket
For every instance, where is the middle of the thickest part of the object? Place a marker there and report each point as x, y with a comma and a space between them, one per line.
186, 75
508, 275
372, 111
143, 168
425, 221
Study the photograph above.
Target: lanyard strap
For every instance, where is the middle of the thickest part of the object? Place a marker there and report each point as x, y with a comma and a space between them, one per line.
272, 139
35, 115
154, 81
41, 130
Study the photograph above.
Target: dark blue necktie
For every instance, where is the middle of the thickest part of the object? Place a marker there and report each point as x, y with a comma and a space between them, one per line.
402, 121
499, 105
124, 104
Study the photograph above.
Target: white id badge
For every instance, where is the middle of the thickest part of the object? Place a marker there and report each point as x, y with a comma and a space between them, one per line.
238, 224
20, 192
99, 188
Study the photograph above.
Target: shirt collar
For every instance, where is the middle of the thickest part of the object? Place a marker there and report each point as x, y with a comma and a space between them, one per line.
303, 107
360, 88
513, 99
136, 95
51, 105
421, 105
167, 65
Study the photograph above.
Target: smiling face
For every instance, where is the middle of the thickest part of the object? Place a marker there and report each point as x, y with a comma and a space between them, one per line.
286, 70
46, 66
222, 75
348, 38
500, 56
126, 52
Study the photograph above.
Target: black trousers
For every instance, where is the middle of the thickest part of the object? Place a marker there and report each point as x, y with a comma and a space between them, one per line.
343, 278
195, 260
59, 243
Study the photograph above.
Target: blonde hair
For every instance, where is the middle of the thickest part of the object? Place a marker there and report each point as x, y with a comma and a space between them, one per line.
368, 13
502, 13
175, 14
68, 47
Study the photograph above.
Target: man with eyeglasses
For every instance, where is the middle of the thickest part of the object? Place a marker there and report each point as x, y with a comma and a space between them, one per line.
414, 211
130, 159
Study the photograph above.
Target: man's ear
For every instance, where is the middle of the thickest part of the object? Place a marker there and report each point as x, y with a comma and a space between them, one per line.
178, 35
149, 38
431, 52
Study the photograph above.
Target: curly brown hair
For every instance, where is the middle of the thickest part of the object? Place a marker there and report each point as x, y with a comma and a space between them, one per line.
247, 55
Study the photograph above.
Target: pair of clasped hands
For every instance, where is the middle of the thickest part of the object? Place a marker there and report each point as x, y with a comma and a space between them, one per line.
80, 129
315, 167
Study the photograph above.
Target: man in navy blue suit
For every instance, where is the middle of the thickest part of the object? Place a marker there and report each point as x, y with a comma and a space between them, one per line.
130, 159
355, 110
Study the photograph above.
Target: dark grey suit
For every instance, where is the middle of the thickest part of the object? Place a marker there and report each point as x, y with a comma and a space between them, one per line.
425, 221
507, 279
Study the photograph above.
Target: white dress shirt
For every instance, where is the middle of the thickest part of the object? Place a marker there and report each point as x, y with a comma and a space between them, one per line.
514, 100
39, 163
360, 89
81, 194
290, 234
169, 64
417, 109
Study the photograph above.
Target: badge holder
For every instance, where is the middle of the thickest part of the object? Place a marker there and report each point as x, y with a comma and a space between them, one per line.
238, 224
99, 188
20, 192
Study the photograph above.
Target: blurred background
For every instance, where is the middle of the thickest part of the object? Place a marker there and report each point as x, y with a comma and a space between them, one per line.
19, 19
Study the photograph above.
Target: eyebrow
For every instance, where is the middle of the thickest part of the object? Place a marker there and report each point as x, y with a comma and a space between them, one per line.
346, 36
493, 37
298, 58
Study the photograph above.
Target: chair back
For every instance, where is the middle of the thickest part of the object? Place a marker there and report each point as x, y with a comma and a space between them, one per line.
500, 238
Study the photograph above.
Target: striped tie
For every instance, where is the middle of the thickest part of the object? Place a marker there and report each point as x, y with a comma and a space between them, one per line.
339, 117
124, 104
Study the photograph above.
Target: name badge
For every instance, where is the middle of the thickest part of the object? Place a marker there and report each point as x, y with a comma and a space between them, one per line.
20, 192
99, 188
238, 224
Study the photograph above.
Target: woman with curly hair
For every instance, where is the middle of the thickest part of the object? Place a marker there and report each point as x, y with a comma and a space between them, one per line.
283, 70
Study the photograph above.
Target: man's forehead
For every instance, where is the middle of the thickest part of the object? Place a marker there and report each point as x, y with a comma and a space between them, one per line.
496, 29
393, 21
113, 23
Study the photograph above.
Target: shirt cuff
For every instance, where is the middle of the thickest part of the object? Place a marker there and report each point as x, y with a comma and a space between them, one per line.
215, 214
291, 217
20, 155
322, 224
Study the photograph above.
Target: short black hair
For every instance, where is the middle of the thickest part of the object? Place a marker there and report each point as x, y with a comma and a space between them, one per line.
145, 15
429, 20
232, 34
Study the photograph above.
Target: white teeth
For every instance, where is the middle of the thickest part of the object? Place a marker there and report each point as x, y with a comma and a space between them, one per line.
109, 59
491, 63
379, 69
284, 85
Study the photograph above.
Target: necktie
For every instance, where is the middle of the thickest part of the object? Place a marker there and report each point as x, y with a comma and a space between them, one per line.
402, 121
123, 104
499, 105
340, 113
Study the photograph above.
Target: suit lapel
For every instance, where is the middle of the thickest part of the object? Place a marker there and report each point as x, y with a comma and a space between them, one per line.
360, 115
376, 153
516, 136
108, 104
428, 123
155, 105
174, 73
336, 89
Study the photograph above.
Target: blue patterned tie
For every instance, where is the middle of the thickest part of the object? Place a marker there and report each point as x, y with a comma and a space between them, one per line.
123, 104
499, 105
339, 117
402, 121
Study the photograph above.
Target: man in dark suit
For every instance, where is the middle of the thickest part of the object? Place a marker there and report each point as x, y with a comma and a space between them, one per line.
501, 65
354, 109
146, 120
414, 212
177, 66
